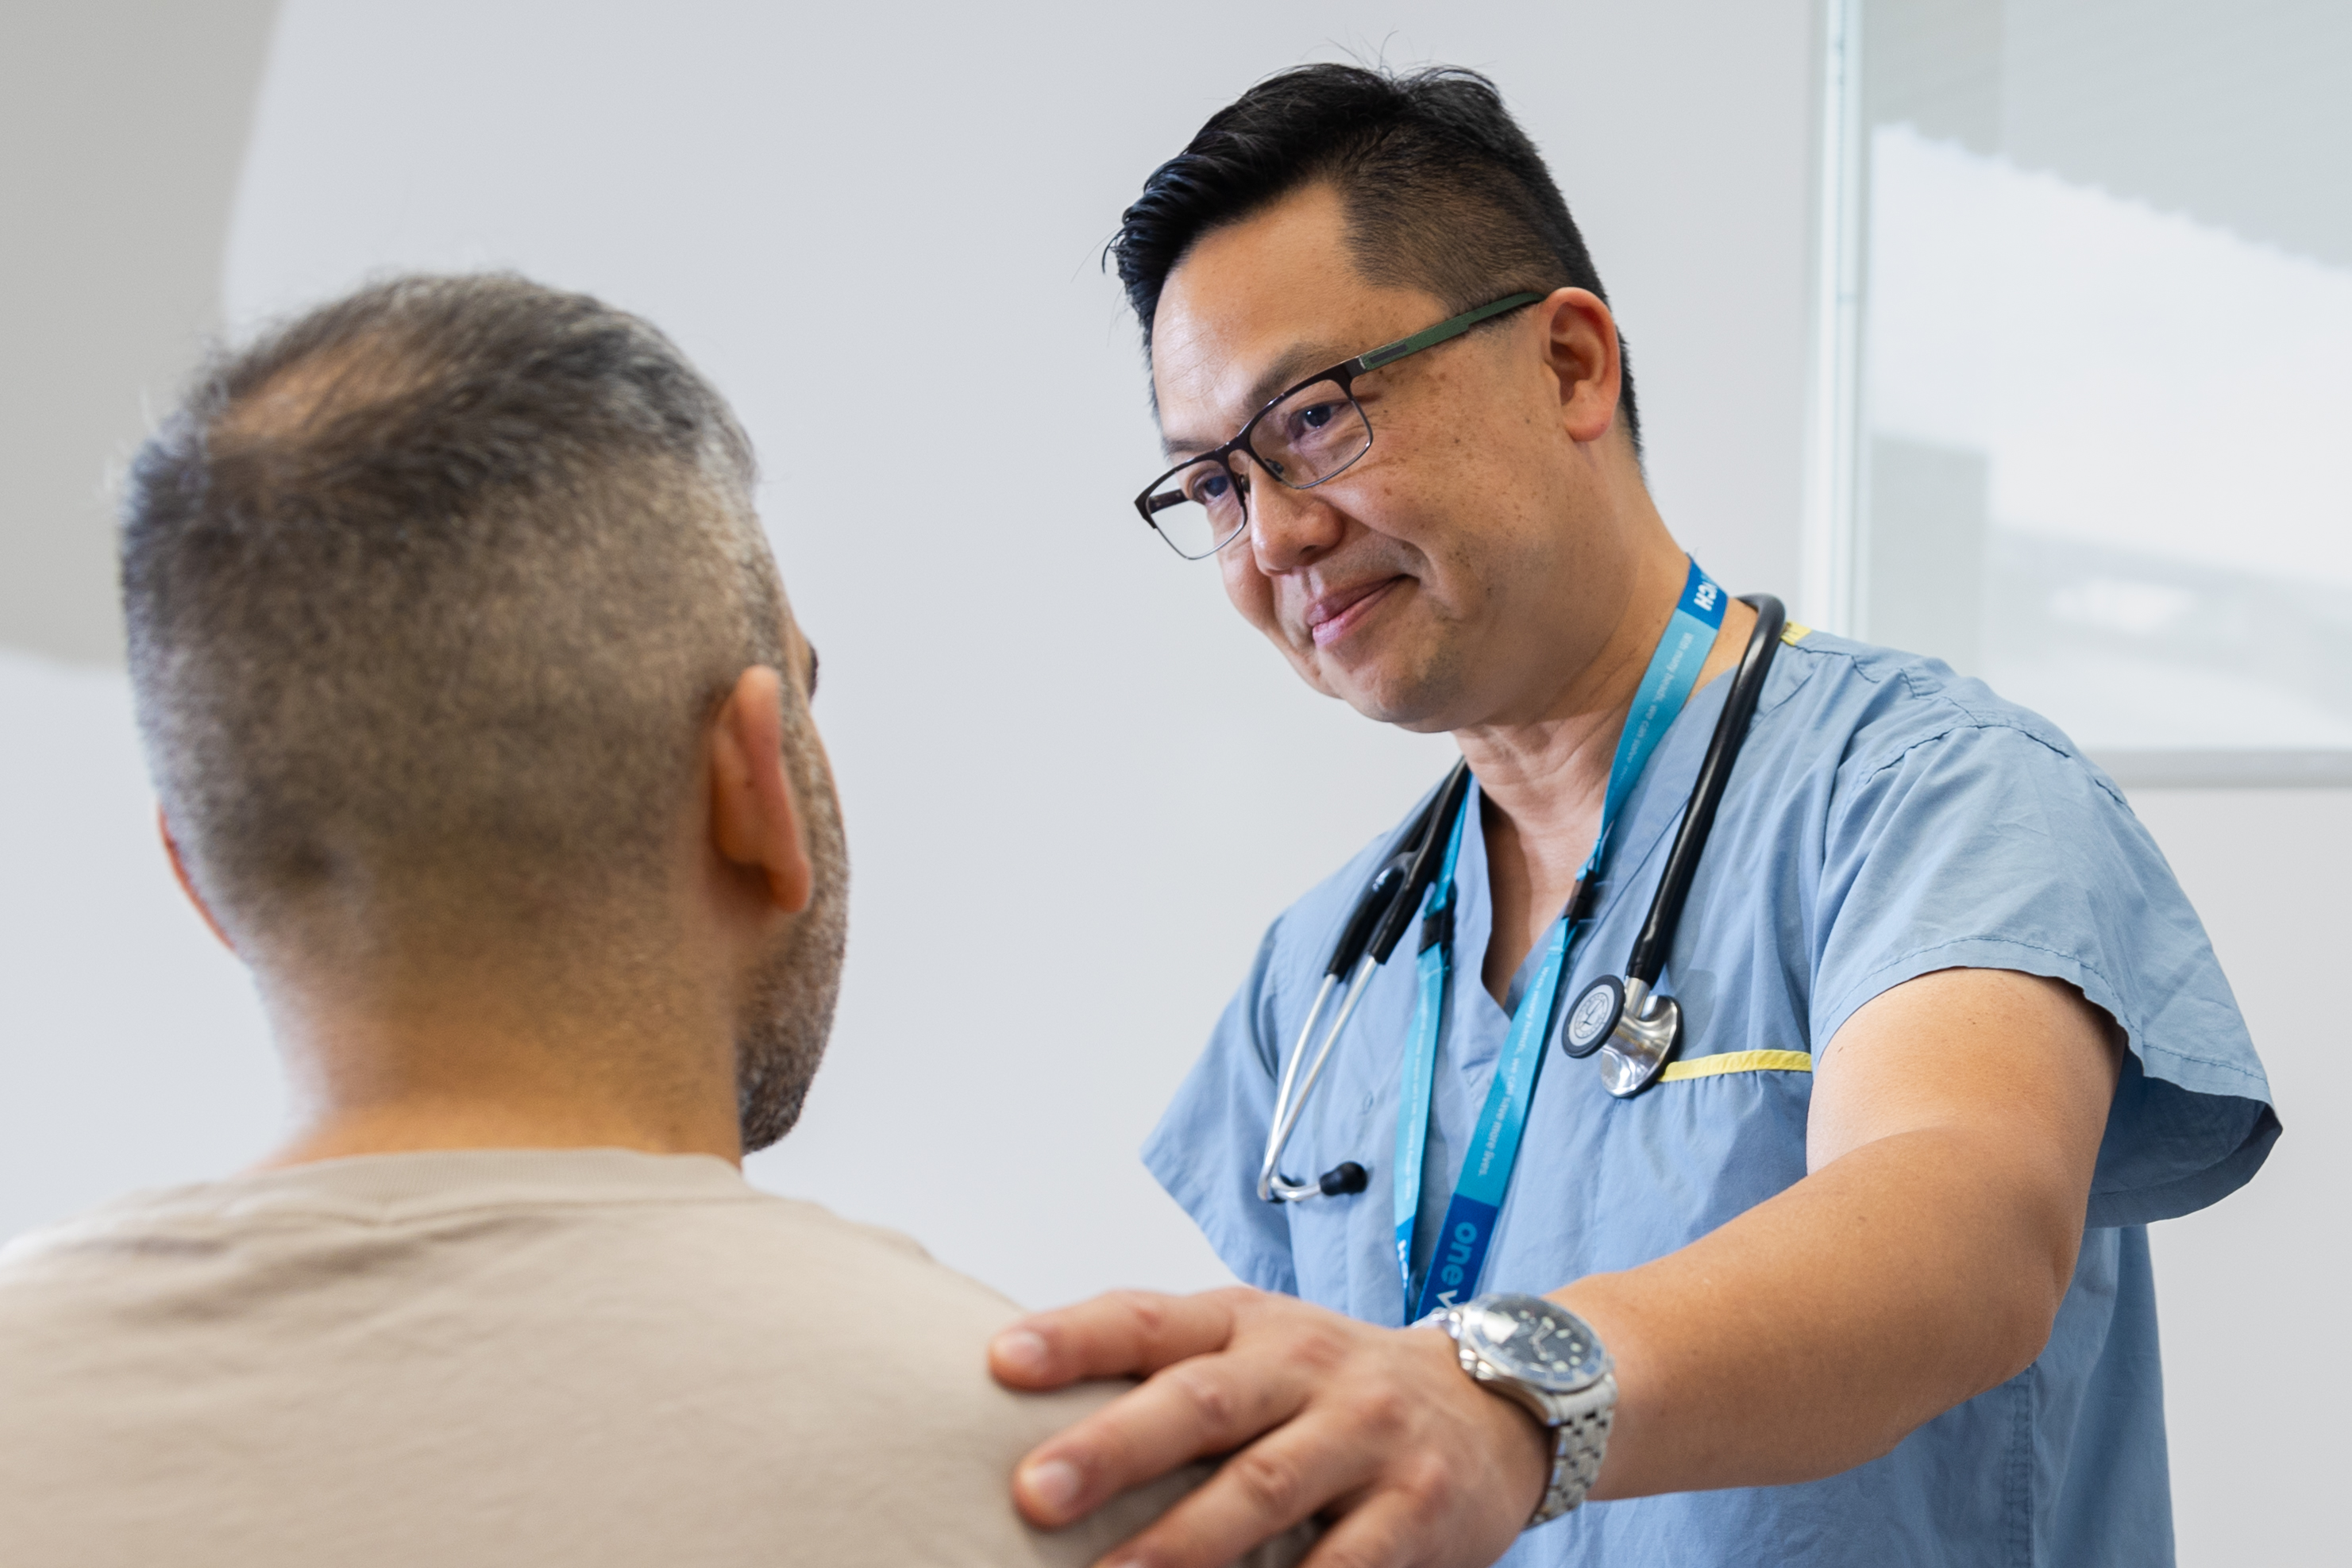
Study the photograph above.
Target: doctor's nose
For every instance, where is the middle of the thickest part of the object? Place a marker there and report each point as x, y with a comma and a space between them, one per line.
1290, 528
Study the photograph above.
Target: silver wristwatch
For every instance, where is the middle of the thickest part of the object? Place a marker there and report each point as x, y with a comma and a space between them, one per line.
1544, 1357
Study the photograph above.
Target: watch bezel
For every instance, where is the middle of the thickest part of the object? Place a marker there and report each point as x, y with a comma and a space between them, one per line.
1518, 1368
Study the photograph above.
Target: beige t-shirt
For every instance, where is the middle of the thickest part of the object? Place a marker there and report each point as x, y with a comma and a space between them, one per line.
565, 1357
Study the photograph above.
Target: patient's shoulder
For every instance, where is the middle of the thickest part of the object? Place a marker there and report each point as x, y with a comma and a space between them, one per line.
910, 1409
906, 1379
648, 1360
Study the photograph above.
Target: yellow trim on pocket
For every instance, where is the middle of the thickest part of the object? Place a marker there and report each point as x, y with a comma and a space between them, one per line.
1794, 633
1738, 1061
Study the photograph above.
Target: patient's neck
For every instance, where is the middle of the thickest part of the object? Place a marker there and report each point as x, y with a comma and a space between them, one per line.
487, 1053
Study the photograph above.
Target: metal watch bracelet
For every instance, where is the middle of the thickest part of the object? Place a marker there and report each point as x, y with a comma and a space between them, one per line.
1577, 1446
1577, 1419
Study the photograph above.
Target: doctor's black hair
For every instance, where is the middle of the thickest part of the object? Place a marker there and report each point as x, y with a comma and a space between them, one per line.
1444, 192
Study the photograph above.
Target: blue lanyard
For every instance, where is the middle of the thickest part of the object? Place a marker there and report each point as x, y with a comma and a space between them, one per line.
1494, 1148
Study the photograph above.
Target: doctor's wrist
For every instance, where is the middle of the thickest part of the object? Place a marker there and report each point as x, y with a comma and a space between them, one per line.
1519, 1446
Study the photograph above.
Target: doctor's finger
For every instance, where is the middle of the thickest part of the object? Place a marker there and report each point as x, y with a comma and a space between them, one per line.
1277, 1482
1210, 1405
1124, 1333
1393, 1527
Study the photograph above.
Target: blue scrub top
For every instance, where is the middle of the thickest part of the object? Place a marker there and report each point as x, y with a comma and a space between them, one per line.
1887, 818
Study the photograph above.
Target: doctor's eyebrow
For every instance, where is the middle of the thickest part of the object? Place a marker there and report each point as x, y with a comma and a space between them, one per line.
812, 675
1271, 383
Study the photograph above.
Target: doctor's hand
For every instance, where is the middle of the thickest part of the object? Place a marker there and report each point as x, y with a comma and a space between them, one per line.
1377, 1431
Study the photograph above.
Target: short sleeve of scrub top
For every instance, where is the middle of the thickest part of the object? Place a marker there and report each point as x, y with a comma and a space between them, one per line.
1887, 818
1990, 847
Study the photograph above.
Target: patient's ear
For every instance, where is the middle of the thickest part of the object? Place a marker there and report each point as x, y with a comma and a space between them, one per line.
187, 885
755, 822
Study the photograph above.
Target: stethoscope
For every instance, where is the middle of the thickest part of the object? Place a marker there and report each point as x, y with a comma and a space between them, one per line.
1635, 1029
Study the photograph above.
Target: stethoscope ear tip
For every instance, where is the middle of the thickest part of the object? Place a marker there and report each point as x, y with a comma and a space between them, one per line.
1347, 1176
1342, 1180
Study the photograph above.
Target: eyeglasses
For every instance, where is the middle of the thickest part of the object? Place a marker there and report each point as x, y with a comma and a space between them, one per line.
1313, 432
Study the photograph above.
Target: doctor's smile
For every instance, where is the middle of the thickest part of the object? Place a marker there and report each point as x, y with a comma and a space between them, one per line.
1334, 615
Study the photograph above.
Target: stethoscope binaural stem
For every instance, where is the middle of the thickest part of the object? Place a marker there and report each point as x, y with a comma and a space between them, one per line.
1275, 1138
1354, 937
1271, 1184
1373, 929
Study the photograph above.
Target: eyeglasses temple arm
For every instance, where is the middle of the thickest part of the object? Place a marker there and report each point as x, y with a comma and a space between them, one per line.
1389, 353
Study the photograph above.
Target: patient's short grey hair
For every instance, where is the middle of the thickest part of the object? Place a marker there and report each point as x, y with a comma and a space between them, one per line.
430, 595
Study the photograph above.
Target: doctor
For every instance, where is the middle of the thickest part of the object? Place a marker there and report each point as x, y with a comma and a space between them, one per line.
1862, 1276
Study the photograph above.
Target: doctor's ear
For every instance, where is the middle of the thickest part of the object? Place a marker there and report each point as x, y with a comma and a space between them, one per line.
187, 883
755, 821
1580, 339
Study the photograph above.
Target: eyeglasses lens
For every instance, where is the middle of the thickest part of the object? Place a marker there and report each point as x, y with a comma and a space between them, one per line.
1311, 434
1301, 441
1199, 508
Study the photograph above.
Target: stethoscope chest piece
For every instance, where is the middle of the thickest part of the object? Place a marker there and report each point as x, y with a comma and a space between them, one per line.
1635, 1030
1592, 1016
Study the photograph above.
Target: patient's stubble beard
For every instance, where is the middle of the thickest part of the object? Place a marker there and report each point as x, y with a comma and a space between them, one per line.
781, 1036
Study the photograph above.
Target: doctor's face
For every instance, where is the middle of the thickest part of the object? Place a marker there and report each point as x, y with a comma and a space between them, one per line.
1436, 583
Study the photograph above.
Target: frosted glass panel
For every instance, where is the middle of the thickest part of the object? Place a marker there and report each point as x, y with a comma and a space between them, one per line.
2107, 362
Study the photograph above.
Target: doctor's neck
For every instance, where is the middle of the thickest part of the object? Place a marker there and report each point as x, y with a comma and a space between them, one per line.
1544, 771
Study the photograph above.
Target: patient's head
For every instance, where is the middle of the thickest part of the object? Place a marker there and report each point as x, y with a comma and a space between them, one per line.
438, 599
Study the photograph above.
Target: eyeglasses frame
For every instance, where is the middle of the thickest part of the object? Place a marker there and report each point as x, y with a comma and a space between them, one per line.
1345, 373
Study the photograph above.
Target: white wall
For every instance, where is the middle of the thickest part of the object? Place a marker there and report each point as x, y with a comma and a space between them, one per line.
123, 127
1076, 788
2257, 1370
131, 1050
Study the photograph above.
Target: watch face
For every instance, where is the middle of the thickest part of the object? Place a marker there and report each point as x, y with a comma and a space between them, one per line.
1535, 1342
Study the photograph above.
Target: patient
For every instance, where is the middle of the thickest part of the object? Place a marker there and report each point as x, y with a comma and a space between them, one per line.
482, 735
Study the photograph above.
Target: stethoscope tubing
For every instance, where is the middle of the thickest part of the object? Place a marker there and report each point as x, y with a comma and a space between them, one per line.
1723, 747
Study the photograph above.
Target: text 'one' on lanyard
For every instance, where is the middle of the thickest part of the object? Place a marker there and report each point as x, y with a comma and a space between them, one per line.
1494, 1148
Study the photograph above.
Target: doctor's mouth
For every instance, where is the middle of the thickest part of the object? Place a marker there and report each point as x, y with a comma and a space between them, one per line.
1332, 616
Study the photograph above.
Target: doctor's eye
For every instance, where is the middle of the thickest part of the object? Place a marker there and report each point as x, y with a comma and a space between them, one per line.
1209, 486
1215, 489
1317, 431
1305, 422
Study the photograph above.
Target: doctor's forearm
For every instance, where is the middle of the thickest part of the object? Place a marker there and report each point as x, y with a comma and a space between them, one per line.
1814, 1332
